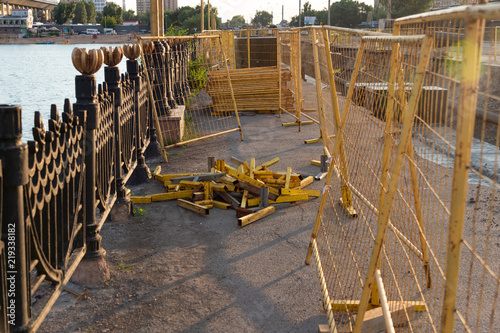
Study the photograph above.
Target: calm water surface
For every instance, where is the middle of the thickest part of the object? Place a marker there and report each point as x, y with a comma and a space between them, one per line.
36, 76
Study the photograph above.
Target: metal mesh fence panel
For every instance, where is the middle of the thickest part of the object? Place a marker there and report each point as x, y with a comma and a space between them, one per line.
185, 76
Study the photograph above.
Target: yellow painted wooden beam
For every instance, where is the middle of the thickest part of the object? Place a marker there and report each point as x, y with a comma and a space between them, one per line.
310, 193
268, 164
307, 181
313, 141
316, 163
203, 210
220, 187
167, 177
255, 182
141, 200
291, 198
245, 220
190, 184
171, 196
221, 205
253, 202
288, 176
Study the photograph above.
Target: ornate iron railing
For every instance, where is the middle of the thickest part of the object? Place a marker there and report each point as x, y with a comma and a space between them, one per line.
59, 188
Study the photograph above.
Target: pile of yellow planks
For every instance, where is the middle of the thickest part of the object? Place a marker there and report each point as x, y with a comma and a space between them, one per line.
255, 89
249, 189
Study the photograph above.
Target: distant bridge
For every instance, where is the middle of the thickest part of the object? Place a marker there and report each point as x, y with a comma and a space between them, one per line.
41, 8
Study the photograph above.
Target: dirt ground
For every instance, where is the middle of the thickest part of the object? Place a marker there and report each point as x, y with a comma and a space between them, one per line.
173, 270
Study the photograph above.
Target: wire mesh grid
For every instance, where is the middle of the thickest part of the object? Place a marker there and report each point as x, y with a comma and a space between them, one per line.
289, 59
378, 110
439, 141
189, 79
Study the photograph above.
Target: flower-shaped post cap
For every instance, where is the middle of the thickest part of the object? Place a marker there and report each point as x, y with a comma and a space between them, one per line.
87, 62
132, 51
148, 47
112, 55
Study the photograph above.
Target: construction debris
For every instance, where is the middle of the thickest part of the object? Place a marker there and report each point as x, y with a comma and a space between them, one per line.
255, 89
248, 188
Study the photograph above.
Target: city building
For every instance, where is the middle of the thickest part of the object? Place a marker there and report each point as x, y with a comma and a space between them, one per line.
144, 5
17, 22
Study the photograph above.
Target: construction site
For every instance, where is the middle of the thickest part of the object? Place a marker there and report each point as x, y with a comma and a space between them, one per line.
317, 179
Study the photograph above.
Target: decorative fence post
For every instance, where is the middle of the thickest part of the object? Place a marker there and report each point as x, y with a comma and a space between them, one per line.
94, 268
113, 57
184, 69
168, 65
14, 156
154, 148
160, 79
142, 111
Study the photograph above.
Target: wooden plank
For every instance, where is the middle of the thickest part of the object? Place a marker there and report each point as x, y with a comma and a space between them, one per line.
203, 210
200, 177
245, 220
291, 198
221, 205
307, 181
190, 184
229, 199
268, 164
310, 193
168, 177
141, 200
288, 176
316, 163
171, 195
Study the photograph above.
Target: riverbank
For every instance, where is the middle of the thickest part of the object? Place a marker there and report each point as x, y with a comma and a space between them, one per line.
73, 39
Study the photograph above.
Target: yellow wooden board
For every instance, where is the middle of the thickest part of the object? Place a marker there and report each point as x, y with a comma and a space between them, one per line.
204, 210
139, 200
171, 196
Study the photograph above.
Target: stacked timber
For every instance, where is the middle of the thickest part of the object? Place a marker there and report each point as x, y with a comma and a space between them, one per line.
255, 89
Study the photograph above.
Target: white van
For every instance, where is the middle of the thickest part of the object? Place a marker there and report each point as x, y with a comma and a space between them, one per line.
92, 32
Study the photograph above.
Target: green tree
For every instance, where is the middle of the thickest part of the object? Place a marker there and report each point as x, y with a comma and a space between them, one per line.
379, 12
348, 13
400, 8
110, 22
80, 13
91, 12
129, 15
189, 18
262, 18
114, 11
144, 18
64, 12
237, 21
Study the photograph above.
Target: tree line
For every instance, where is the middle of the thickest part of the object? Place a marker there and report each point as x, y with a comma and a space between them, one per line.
344, 13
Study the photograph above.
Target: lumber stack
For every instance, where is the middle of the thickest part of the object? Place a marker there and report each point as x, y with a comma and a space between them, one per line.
250, 189
255, 89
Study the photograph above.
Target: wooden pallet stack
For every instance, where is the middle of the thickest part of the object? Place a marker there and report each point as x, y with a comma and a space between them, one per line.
249, 189
255, 89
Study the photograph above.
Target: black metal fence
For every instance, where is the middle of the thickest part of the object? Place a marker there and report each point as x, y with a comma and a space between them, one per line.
57, 190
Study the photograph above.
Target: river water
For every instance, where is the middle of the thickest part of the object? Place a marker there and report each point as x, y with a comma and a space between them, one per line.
36, 76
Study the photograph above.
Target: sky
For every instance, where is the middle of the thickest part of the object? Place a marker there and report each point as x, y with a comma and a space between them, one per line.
247, 8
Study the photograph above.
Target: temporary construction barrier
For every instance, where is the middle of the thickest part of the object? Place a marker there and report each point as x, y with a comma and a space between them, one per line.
179, 71
289, 57
412, 241
371, 173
